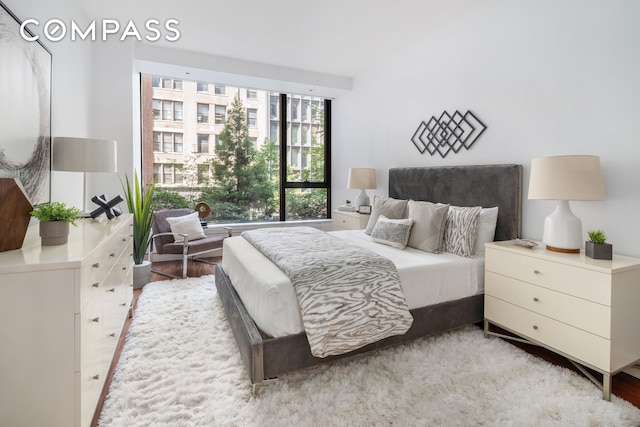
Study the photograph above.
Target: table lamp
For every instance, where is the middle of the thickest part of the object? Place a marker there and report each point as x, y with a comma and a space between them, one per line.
565, 178
362, 179
84, 155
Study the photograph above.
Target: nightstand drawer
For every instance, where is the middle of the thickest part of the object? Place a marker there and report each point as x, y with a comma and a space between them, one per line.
587, 284
349, 220
584, 346
583, 314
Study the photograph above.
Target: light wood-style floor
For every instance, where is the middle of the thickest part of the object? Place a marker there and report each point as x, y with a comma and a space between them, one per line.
624, 385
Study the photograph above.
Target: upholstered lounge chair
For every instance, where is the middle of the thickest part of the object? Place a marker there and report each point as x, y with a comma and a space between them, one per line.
164, 241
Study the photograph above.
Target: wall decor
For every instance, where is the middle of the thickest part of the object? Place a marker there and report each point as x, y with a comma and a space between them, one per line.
25, 110
449, 132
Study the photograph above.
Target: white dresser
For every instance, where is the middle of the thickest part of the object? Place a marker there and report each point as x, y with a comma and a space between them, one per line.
342, 220
62, 309
583, 308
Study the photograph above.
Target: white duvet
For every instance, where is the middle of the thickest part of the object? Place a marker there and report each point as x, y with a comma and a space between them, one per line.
269, 297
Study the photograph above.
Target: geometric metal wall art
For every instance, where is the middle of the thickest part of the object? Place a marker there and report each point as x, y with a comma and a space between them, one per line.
449, 132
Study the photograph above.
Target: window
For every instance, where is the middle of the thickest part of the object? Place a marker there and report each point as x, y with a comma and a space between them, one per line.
170, 110
203, 143
203, 113
167, 142
281, 140
221, 112
252, 117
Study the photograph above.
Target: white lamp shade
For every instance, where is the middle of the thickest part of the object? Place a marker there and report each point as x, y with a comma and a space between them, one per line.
566, 178
362, 178
84, 155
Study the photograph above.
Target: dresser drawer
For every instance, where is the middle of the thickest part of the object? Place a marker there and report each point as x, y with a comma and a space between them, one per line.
342, 221
576, 343
584, 283
583, 314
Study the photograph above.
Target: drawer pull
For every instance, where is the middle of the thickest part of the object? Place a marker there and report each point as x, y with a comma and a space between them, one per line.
95, 285
124, 239
112, 290
535, 327
95, 377
123, 304
536, 272
95, 319
112, 334
112, 254
96, 265
124, 268
536, 299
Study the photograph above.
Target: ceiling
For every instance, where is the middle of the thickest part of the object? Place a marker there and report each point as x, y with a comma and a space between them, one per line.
334, 37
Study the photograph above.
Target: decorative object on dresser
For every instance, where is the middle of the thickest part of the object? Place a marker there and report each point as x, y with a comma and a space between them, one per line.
140, 205
565, 178
346, 220
15, 210
449, 132
583, 309
364, 209
26, 114
84, 155
55, 218
597, 247
106, 207
362, 179
62, 310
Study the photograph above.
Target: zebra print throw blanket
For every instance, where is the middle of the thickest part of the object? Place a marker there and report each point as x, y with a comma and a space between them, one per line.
349, 296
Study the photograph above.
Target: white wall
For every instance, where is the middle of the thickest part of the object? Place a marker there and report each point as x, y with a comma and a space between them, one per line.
71, 85
547, 77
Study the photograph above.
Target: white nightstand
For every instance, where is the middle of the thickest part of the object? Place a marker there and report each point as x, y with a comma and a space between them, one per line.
581, 308
349, 220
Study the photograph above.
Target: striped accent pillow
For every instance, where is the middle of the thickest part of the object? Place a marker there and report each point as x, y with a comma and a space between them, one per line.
461, 229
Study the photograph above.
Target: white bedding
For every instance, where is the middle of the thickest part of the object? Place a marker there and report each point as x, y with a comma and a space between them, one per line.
268, 294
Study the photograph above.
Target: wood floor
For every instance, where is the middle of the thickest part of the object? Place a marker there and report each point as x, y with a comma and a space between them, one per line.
625, 386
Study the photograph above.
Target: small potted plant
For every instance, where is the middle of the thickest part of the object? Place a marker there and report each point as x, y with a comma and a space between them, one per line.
55, 218
347, 203
597, 247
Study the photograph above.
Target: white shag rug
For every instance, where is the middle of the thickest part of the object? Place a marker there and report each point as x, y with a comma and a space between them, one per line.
180, 367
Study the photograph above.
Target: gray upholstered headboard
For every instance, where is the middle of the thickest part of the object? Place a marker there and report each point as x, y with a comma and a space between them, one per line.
482, 185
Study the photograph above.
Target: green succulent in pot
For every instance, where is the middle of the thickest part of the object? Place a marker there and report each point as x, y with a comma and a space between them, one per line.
55, 218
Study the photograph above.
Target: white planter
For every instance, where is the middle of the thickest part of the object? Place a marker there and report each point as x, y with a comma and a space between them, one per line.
141, 274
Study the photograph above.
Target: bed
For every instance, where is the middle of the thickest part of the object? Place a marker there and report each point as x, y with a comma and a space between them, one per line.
266, 357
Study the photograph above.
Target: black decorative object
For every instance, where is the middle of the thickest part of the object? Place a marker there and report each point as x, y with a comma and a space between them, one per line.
449, 132
109, 208
598, 250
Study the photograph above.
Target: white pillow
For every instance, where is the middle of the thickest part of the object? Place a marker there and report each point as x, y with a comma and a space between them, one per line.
486, 228
387, 206
187, 224
461, 230
428, 225
392, 232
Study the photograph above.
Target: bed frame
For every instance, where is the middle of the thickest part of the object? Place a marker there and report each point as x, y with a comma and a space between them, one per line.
267, 358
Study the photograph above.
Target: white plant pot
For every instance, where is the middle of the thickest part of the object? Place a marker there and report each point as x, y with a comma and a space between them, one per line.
141, 274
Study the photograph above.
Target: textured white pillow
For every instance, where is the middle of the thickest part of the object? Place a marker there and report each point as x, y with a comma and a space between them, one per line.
461, 230
387, 206
486, 228
428, 225
392, 232
187, 224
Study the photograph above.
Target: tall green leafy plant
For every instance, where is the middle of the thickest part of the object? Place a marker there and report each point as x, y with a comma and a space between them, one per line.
140, 204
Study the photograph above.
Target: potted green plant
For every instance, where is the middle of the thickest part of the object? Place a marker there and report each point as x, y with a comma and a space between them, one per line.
597, 247
55, 218
140, 205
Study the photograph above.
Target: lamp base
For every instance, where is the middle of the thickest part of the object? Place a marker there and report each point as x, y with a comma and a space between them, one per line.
563, 250
362, 199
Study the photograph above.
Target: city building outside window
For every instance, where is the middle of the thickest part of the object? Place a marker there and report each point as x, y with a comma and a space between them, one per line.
240, 163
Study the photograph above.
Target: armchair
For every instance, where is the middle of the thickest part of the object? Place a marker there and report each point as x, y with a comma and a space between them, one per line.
163, 241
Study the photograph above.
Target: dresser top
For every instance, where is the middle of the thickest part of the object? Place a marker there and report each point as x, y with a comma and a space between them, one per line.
83, 239
618, 264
